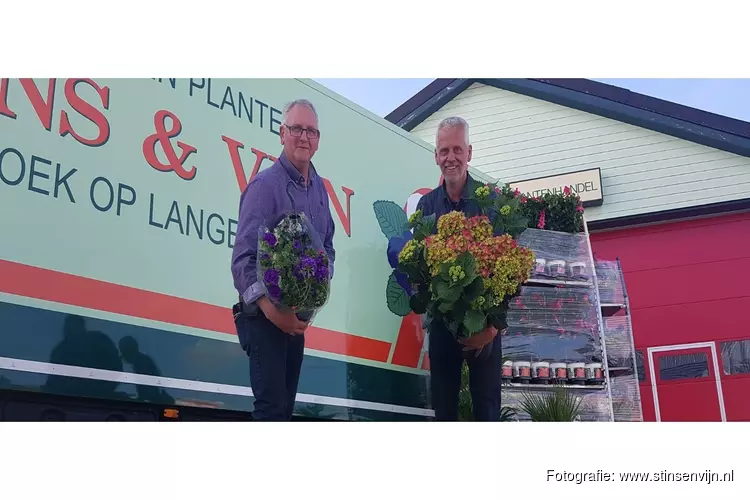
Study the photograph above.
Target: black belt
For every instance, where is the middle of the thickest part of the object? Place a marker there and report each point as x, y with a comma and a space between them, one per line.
249, 309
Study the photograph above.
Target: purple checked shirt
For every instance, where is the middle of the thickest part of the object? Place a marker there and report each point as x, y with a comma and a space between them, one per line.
267, 197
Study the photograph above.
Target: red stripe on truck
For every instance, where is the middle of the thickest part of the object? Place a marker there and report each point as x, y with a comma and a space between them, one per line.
64, 288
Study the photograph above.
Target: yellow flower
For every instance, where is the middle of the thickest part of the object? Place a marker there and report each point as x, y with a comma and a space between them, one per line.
505, 210
409, 251
482, 192
438, 253
479, 303
413, 218
480, 228
500, 261
451, 223
456, 273
510, 271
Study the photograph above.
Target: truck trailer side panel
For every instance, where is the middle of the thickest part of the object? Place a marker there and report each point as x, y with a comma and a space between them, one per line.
119, 202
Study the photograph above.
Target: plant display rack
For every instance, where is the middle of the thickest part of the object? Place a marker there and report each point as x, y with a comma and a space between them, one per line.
555, 333
618, 337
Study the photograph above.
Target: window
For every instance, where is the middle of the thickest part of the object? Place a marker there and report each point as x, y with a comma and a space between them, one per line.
735, 357
681, 366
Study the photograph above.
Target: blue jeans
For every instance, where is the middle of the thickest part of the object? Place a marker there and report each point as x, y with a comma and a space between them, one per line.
275, 364
485, 374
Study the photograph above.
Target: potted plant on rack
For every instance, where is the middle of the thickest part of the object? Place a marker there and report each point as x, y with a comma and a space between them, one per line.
561, 212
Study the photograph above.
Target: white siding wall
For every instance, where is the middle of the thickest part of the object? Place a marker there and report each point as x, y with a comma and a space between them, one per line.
516, 137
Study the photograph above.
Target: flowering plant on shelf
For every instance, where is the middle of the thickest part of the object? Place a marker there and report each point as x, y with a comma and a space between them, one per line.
561, 212
294, 265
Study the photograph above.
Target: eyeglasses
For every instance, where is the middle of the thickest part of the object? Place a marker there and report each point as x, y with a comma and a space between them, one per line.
296, 131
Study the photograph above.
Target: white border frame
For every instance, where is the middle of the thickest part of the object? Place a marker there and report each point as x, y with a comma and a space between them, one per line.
680, 347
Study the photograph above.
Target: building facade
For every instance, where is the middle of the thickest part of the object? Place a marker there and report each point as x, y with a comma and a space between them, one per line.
667, 191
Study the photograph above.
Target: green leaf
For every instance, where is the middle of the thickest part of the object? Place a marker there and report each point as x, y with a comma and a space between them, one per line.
445, 291
474, 289
467, 263
430, 222
425, 228
445, 307
460, 308
412, 270
444, 274
440, 287
415, 221
469, 266
419, 302
498, 225
396, 297
475, 321
391, 218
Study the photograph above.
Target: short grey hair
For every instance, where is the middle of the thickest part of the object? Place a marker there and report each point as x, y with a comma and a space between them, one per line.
297, 102
453, 121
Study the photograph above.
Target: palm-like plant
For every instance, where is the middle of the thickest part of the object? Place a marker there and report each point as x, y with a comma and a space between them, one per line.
558, 405
465, 413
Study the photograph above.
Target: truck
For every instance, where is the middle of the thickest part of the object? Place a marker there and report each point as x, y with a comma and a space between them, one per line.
119, 203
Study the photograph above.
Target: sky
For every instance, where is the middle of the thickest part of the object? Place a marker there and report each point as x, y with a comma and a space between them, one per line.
722, 96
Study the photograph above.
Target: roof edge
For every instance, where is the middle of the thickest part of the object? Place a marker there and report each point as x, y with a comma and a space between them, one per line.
649, 103
420, 107
626, 113
691, 124
409, 106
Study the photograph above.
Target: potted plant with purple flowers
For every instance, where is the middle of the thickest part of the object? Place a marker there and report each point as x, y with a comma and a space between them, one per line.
294, 266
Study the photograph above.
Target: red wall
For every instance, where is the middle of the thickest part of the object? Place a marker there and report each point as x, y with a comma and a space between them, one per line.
687, 282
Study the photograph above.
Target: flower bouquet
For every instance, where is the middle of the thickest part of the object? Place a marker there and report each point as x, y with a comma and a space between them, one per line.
293, 265
467, 272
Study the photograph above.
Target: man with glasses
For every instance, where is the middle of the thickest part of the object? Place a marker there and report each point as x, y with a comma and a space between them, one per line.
274, 340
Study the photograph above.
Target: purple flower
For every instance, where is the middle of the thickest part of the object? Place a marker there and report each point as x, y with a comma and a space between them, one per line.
274, 292
321, 271
297, 245
270, 239
271, 277
265, 256
306, 268
321, 267
308, 261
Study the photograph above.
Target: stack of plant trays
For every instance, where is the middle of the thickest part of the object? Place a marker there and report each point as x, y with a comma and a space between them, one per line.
555, 327
618, 338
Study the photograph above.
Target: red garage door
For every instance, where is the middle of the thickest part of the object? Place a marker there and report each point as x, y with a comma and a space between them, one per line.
688, 283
